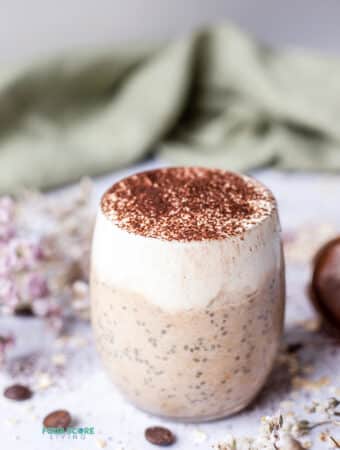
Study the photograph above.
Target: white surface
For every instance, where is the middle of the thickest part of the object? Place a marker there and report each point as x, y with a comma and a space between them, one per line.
86, 392
42, 27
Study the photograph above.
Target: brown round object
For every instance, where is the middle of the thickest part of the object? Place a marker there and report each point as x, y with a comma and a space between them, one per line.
325, 286
159, 436
58, 419
18, 392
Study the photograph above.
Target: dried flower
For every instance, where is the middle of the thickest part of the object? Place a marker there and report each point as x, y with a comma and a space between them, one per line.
335, 442
284, 432
44, 263
5, 343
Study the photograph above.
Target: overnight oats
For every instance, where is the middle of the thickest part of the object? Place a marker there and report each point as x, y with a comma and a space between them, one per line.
187, 289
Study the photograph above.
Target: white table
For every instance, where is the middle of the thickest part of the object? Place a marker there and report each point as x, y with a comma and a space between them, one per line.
83, 388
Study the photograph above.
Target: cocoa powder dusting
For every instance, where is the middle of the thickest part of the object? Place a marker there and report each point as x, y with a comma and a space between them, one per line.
187, 204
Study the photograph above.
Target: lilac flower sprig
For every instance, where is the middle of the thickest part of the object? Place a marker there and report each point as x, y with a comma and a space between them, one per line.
44, 251
21, 256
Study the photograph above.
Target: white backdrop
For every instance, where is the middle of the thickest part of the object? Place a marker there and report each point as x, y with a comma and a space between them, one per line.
35, 27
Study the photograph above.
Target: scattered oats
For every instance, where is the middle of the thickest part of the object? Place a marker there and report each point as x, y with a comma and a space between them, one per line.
199, 436
30, 412
61, 341
311, 325
295, 395
80, 299
29, 408
78, 341
75, 341
11, 421
59, 359
44, 381
284, 432
310, 409
308, 370
306, 443
286, 443
223, 446
324, 436
337, 392
101, 443
291, 361
80, 289
286, 404
228, 444
309, 385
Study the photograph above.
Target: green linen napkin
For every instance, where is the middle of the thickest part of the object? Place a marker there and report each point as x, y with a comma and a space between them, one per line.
215, 98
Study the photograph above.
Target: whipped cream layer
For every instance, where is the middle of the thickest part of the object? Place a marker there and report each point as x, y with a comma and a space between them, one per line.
179, 275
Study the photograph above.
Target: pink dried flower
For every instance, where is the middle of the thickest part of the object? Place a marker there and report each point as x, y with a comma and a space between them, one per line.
51, 311
7, 208
8, 293
34, 286
23, 254
7, 232
5, 343
5, 263
41, 307
36, 255
56, 322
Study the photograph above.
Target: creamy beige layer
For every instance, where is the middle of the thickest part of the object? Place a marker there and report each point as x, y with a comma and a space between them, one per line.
177, 276
196, 364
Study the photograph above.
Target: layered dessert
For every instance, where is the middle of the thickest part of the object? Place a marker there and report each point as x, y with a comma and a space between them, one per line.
187, 290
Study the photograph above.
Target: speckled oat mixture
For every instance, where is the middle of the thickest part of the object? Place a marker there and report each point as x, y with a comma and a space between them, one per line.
193, 364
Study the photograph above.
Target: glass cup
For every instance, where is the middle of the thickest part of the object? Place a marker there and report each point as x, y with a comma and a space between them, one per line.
187, 328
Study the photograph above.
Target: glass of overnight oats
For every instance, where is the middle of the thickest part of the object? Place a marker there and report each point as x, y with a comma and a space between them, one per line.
187, 290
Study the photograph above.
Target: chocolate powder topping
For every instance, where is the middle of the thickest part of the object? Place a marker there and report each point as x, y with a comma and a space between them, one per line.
187, 204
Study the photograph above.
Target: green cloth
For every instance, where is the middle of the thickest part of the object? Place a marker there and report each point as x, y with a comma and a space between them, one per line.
215, 98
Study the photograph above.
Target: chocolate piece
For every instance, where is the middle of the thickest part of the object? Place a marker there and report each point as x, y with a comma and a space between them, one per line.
18, 392
24, 311
294, 347
325, 286
58, 419
187, 204
159, 436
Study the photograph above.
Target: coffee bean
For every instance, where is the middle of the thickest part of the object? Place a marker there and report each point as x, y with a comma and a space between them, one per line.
159, 436
24, 311
58, 419
294, 347
18, 392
